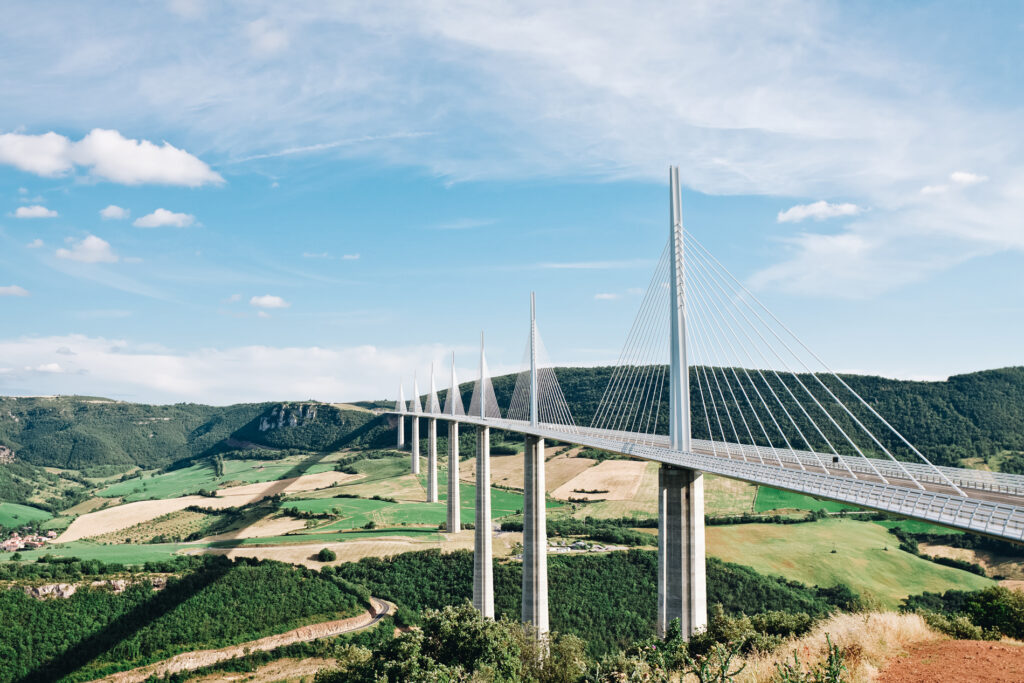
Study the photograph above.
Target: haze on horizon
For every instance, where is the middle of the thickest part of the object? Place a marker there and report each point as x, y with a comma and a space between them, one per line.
224, 203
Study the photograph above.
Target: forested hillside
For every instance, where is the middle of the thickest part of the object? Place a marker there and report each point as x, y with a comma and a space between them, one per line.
980, 414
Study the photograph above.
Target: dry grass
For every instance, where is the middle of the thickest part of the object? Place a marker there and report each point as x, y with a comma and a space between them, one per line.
618, 479
90, 505
994, 564
867, 642
178, 524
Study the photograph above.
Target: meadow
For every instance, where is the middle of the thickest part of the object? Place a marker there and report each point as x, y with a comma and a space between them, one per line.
13, 515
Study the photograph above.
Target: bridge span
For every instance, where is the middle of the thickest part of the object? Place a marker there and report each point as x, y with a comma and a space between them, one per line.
745, 388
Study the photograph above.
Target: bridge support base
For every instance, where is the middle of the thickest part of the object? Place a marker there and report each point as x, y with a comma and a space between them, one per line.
432, 461
401, 432
454, 506
535, 537
483, 567
415, 445
682, 583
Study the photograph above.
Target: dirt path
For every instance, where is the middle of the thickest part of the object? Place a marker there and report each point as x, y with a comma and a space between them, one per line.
964, 661
188, 661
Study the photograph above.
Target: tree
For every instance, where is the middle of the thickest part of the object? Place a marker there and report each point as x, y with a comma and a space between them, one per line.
326, 555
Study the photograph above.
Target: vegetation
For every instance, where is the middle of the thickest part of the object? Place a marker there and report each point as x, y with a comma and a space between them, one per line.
608, 599
990, 614
218, 604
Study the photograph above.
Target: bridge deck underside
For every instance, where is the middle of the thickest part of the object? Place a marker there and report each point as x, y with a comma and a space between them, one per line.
990, 506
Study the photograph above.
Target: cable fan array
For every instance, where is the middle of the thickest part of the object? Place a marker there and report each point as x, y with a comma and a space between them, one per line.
757, 392
552, 408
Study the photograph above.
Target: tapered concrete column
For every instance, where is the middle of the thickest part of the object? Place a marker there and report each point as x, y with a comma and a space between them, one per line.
401, 432
483, 567
432, 461
535, 537
454, 504
682, 583
415, 445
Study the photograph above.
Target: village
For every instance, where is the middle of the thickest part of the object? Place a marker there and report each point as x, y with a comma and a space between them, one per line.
28, 542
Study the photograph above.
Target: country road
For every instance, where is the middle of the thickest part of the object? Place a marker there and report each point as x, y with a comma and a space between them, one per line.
188, 661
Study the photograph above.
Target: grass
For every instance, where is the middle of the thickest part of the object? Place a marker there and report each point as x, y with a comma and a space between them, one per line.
769, 499
13, 515
317, 538
201, 476
916, 526
357, 512
124, 554
804, 552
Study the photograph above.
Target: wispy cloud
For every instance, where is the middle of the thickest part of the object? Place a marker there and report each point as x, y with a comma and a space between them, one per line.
606, 296
464, 224
13, 290
35, 244
269, 301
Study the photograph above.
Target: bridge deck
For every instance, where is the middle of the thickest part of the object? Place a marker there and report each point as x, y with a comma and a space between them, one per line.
990, 507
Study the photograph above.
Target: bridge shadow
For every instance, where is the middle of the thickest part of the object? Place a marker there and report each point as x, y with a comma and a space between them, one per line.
177, 592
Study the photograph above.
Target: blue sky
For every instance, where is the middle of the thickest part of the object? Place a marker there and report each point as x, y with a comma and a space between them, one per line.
313, 200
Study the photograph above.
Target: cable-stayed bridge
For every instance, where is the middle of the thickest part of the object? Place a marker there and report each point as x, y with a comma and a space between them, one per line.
709, 380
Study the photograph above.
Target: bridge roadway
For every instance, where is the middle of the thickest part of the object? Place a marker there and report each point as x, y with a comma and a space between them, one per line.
992, 505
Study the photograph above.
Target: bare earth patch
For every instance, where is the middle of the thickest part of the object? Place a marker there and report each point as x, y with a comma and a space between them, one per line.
965, 661
286, 670
557, 471
268, 526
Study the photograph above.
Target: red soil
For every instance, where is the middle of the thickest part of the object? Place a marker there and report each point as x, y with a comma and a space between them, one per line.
964, 661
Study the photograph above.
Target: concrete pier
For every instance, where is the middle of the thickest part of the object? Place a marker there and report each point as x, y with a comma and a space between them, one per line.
432, 461
535, 537
682, 582
401, 432
454, 503
415, 445
483, 567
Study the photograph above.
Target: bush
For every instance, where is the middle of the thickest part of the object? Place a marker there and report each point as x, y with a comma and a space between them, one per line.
326, 555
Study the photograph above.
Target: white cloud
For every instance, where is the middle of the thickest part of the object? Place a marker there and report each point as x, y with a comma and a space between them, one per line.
934, 189
163, 217
606, 296
818, 211
318, 255
350, 257
146, 372
92, 249
965, 178
13, 290
269, 301
34, 211
35, 244
109, 156
262, 314
265, 38
114, 213
50, 368
233, 299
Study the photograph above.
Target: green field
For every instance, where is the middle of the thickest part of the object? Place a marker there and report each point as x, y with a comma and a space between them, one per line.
317, 538
190, 479
124, 554
916, 526
769, 499
357, 512
803, 552
13, 515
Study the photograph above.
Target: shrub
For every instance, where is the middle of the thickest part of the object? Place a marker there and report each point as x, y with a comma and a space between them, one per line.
326, 555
